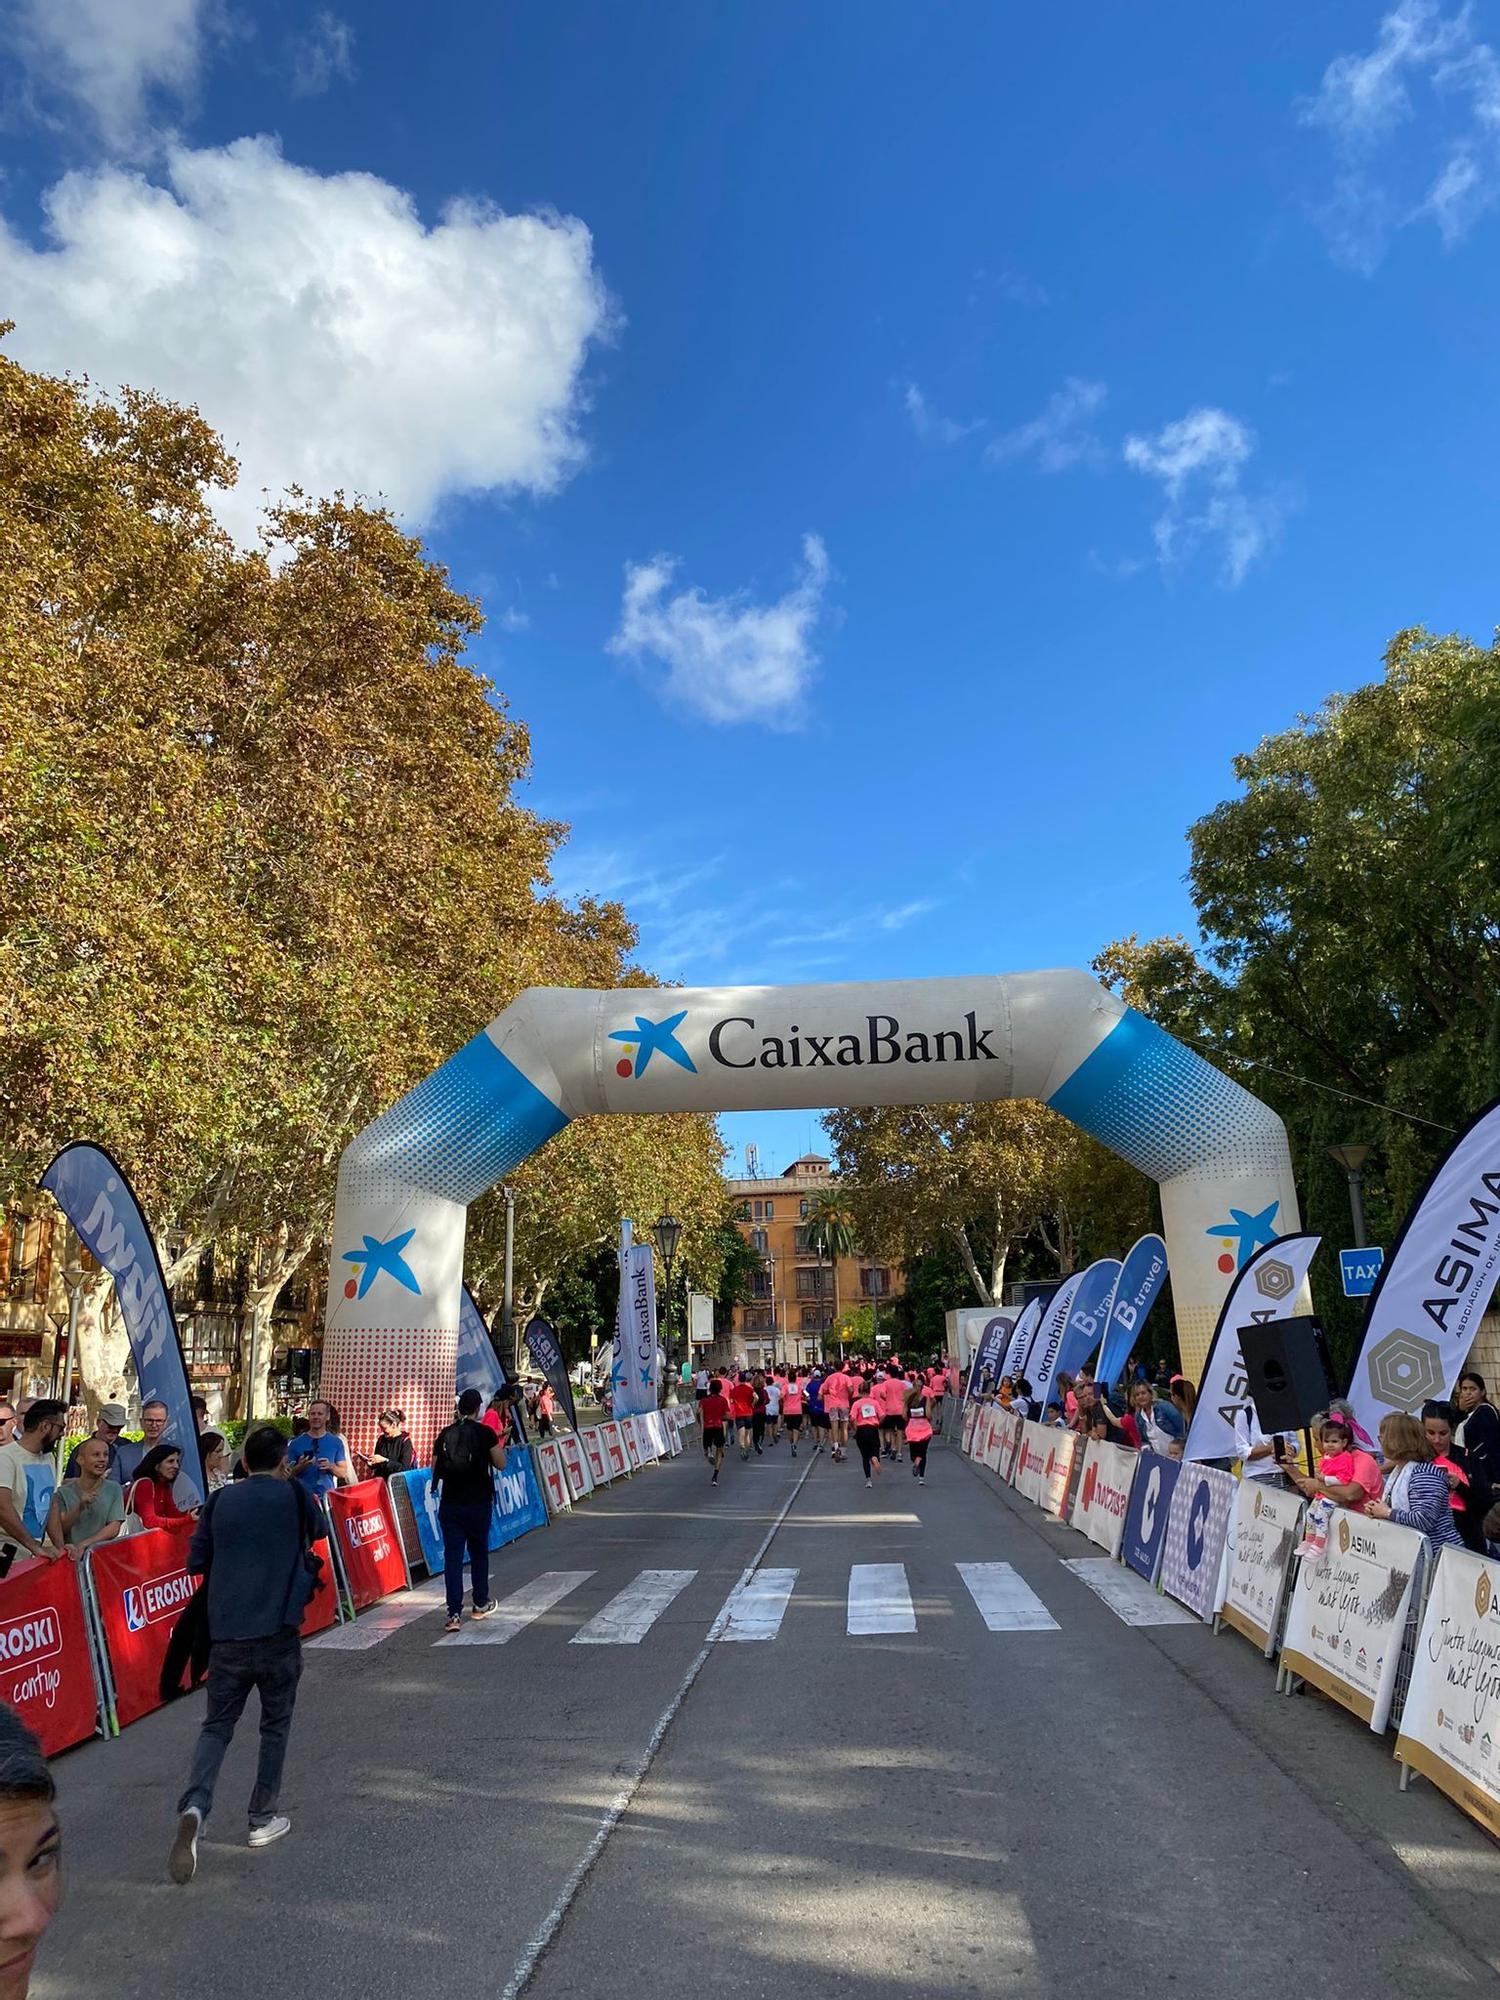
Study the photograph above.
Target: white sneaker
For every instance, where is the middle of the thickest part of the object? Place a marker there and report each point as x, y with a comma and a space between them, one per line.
487, 1609
182, 1862
272, 1829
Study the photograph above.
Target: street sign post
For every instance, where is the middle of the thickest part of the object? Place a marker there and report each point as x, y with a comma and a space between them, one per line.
1359, 1270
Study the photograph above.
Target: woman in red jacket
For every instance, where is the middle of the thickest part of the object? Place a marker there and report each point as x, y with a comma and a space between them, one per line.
150, 1497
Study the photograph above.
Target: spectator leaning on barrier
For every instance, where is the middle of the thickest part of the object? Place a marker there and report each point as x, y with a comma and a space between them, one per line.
151, 1499
319, 1458
465, 1458
1158, 1424
30, 1854
253, 1546
108, 1425
28, 1479
1416, 1490
88, 1507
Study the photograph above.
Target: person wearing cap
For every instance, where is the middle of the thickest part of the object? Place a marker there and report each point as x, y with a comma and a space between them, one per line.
125, 1454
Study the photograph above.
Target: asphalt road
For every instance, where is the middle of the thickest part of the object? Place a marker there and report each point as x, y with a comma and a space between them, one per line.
946, 1807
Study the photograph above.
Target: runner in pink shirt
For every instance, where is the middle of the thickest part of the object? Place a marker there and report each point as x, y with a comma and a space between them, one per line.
837, 1389
792, 1397
918, 1430
890, 1393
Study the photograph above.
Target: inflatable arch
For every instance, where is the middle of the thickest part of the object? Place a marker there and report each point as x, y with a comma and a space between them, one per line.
404, 1185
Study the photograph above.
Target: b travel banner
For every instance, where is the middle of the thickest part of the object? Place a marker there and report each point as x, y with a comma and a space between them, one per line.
635, 1362
990, 1351
1104, 1494
1266, 1289
95, 1196
479, 1366
1267, 1523
1087, 1314
1046, 1345
1450, 1726
1146, 1516
1192, 1561
545, 1349
1142, 1276
1424, 1312
1021, 1338
1348, 1613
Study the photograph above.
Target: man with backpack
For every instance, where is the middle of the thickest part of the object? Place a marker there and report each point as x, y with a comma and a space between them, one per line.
465, 1459
253, 1545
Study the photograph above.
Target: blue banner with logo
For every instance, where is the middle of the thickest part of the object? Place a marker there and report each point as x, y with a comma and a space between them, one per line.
1142, 1276
1146, 1517
519, 1507
545, 1349
1087, 1314
1197, 1533
93, 1193
987, 1355
479, 1365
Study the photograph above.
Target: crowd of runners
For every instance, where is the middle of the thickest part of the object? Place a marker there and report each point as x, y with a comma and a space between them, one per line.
885, 1410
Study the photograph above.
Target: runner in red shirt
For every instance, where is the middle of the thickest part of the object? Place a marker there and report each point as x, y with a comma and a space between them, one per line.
742, 1404
714, 1411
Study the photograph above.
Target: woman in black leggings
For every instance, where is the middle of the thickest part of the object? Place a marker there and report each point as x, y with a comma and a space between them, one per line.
864, 1420
918, 1433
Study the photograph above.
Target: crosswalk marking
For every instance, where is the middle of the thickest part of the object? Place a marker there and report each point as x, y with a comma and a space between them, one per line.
755, 1608
879, 1600
377, 1624
522, 1608
1006, 1602
1130, 1597
626, 1619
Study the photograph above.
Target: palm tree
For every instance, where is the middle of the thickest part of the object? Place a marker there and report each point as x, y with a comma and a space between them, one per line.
830, 1231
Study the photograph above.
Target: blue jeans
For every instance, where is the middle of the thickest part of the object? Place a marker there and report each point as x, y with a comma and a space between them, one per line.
466, 1531
274, 1666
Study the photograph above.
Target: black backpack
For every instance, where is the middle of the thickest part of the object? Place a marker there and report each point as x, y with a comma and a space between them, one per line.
462, 1451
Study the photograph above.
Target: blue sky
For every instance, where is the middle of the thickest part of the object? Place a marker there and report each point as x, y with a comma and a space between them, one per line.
957, 433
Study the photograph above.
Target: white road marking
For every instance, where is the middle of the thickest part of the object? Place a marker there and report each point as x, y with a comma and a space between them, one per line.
1006, 1602
522, 1608
879, 1600
1129, 1596
757, 1605
371, 1627
626, 1619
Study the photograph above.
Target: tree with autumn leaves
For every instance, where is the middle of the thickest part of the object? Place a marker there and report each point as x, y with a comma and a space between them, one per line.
264, 867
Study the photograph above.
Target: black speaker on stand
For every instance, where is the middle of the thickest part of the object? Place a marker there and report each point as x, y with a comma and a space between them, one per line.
1289, 1374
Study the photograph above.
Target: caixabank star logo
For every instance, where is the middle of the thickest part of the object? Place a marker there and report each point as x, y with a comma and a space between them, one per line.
652, 1038
1242, 1235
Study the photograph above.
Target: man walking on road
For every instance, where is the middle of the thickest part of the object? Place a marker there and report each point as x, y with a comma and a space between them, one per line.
251, 1545
464, 1460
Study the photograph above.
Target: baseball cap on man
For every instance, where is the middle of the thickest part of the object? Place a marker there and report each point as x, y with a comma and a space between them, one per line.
114, 1414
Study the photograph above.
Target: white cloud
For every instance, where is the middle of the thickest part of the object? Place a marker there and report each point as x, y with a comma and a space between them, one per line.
332, 337
929, 424
111, 56
727, 658
323, 56
1023, 291
1364, 99
1198, 460
514, 619
1060, 437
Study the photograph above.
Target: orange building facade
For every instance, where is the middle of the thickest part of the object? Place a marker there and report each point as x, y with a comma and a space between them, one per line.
795, 1296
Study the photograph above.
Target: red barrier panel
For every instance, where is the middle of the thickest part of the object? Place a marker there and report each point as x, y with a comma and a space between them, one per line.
323, 1606
46, 1672
140, 1587
369, 1546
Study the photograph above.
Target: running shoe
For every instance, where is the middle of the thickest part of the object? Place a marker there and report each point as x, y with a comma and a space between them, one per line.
453, 1624
715, 1480
269, 1830
869, 1482
182, 1862
485, 1610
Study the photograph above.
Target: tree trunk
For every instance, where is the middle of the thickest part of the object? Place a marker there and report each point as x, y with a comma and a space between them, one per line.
275, 1263
103, 1345
965, 1249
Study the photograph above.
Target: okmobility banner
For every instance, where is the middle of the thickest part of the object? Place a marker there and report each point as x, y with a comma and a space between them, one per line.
1142, 1276
635, 1362
1020, 1339
479, 1364
987, 1354
1086, 1316
1424, 1312
93, 1193
1042, 1358
1265, 1289
545, 1349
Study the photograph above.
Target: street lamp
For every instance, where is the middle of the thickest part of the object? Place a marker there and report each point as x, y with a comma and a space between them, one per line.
668, 1233
73, 1277
1351, 1159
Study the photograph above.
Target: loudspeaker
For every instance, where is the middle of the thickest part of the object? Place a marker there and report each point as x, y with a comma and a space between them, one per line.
1288, 1371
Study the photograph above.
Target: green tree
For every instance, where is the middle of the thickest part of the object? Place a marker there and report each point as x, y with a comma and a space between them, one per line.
830, 1234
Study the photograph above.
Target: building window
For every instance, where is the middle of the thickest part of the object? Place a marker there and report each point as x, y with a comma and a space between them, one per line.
210, 1341
805, 1247
758, 1241
757, 1319
760, 1284
816, 1284
803, 1206
875, 1284
770, 1211
26, 1258
815, 1319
